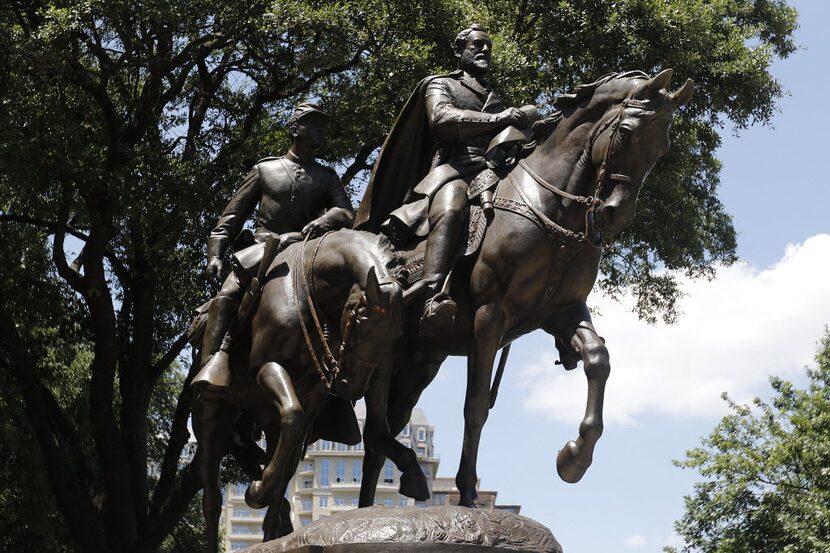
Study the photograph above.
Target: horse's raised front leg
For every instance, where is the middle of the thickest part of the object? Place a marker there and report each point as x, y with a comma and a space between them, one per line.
212, 422
276, 381
488, 330
575, 458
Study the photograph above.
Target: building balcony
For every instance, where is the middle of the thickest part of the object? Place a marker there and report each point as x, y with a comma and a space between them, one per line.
247, 537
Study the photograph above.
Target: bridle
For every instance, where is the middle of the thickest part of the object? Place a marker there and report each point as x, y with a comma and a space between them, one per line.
329, 367
592, 203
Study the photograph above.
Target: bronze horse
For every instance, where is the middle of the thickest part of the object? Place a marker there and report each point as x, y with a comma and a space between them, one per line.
328, 315
539, 261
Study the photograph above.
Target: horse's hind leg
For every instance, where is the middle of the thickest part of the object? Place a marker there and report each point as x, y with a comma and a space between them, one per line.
575, 458
488, 331
212, 422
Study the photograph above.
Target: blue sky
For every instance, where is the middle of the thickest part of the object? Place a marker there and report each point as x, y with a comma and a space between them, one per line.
761, 317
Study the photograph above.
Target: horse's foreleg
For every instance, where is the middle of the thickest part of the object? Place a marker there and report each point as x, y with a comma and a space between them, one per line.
276, 381
377, 436
212, 422
575, 458
488, 330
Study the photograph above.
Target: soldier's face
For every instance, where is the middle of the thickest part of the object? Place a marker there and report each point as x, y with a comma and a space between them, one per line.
311, 131
475, 58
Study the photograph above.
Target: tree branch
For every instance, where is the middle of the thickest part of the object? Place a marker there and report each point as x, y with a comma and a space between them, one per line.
68, 273
164, 362
179, 434
118, 268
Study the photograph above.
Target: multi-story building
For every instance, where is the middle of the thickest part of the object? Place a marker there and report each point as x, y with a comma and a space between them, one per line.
328, 481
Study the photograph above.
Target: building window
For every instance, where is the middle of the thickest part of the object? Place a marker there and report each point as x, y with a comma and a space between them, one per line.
341, 447
422, 434
324, 502
339, 502
388, 502
355, 502
340, 470
324, 473
403, 503
422, 451
239, 545
308, 466
388, 472
305, 521
239, 489
306, 504
357, 470
240, 529
325, 445
306, 484
405, 431
440, 499
406, 443
240, 512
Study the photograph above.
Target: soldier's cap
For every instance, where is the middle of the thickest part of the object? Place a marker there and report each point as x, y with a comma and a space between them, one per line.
306, 109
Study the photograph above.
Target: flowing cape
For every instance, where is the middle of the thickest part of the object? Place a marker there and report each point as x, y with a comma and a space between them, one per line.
405, 158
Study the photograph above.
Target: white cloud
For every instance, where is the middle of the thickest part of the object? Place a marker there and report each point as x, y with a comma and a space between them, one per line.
635, 541
733, 333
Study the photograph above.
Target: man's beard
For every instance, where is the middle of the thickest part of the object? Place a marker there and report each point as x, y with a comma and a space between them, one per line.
472, 66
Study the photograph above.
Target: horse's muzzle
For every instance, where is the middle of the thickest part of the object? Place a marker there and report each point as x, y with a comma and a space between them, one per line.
355, 380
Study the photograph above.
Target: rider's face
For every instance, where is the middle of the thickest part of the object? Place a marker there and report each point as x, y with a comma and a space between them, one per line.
310, 131
475, 57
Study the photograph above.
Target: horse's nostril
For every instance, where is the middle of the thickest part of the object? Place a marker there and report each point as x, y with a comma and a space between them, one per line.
608, 214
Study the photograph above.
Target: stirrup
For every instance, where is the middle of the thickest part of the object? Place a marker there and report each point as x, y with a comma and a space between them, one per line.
439, 313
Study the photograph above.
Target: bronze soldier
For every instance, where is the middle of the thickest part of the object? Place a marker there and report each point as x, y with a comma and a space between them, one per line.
297, 197
440, 137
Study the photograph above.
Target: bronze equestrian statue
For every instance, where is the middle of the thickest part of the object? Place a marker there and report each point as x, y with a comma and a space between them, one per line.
539, 258
327, 317
297, 197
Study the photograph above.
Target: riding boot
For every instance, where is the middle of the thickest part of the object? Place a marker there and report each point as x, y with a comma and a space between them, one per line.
441, 250
223, 311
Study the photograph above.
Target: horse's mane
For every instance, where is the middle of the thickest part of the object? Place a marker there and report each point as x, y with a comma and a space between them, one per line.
543, 128
585, 91
383, 247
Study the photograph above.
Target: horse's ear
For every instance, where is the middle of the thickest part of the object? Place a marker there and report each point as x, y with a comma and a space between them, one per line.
373, 293
682, 95
652, 86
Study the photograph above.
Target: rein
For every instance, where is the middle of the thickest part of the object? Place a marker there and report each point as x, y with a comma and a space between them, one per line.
592, 203
329, 368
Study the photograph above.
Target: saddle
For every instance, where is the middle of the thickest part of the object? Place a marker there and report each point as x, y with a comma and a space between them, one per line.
502, 154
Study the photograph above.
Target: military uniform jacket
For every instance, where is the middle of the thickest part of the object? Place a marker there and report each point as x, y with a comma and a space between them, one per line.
291, 194
462, 113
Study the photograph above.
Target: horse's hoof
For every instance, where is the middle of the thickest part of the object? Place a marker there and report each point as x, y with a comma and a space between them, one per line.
474, 503
254, 496
414, 487
569, 463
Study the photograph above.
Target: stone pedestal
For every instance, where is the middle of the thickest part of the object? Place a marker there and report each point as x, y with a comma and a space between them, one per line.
434, 529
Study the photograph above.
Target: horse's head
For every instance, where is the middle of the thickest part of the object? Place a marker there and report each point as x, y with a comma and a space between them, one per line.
372, 321
627, 141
